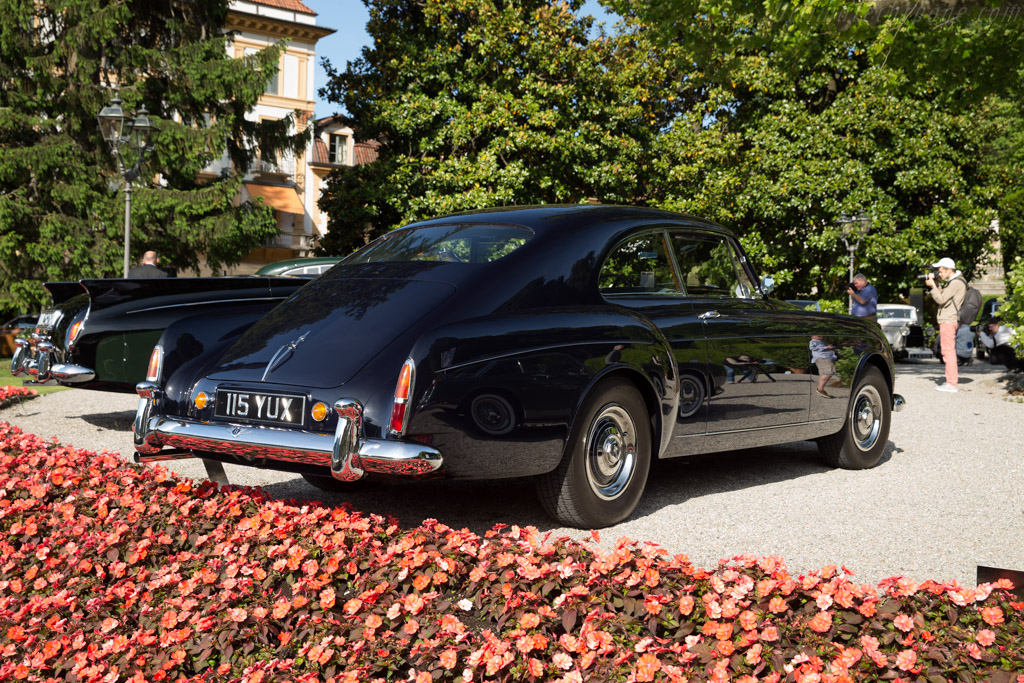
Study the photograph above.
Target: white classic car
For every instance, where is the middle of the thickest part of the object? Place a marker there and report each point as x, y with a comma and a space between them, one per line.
902, 327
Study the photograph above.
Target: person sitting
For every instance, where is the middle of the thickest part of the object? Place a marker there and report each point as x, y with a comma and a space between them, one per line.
996, 337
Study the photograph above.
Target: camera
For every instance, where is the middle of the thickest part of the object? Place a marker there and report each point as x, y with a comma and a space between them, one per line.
929, 275
852, 286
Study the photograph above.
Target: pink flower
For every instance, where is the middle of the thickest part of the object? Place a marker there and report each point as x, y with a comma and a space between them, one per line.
985, 637
903, 623
237, 614
562, 661
906, 659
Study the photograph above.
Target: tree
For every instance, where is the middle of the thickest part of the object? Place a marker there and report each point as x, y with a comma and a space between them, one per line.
482, 103
61, 206
799, 112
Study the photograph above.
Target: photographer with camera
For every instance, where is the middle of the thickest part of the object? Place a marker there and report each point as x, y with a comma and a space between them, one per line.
996, 337
865, 298
950, 298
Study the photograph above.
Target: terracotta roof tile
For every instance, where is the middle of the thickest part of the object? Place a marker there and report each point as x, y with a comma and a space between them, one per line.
320, 155
365, 152
293, 5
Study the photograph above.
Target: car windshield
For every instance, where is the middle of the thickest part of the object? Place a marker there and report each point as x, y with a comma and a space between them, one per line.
893, 313
457, 243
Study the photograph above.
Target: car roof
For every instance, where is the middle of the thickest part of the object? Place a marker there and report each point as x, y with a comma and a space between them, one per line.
548, 218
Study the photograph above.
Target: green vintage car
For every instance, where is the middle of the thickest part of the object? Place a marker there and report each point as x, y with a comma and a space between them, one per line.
300, 267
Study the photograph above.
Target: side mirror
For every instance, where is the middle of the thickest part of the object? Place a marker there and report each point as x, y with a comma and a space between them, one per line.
767, 284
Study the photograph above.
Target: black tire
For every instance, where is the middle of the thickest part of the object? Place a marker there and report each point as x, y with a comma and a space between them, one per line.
603, 473
332, 485
865, 433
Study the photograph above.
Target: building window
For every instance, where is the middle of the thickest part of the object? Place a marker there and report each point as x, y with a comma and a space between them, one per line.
338, 149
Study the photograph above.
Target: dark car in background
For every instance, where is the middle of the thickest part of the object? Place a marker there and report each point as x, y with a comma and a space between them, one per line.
570, 344
310, 266
99, 334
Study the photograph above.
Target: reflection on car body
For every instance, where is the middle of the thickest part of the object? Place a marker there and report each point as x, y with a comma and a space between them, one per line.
571, 344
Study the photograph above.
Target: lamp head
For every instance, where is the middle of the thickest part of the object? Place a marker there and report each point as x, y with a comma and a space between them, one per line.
112, 121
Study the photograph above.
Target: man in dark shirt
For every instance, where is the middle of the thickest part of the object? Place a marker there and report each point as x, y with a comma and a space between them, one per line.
865, 298
148, 267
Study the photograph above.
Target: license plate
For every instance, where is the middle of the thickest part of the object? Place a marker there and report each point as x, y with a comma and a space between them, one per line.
280, 409
48, 318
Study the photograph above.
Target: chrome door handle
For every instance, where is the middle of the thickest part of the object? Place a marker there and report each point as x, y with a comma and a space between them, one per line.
709, 315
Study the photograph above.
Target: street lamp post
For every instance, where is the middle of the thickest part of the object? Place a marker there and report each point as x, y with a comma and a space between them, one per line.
854, 228
135, 134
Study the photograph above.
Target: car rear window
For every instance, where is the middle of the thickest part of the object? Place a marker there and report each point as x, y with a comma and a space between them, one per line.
458, 243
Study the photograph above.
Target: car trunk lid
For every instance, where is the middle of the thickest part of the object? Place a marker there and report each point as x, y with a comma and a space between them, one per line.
327, 332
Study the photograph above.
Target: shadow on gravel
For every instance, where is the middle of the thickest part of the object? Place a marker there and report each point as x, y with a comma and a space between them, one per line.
120, 420
479, 505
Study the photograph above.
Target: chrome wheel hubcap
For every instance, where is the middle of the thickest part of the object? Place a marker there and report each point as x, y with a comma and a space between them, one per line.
611, 451
866, 418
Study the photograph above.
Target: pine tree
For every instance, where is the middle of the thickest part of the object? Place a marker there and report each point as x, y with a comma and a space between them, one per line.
61, 195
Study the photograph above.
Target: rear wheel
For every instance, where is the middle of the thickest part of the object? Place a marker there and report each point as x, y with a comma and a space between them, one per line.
602, 476
862, 440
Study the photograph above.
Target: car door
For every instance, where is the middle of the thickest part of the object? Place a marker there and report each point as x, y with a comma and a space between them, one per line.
638, 274
758, 356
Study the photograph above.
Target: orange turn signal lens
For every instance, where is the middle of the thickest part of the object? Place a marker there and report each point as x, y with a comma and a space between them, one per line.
155, 360
319, 411
402, 392
73, 333
200, 400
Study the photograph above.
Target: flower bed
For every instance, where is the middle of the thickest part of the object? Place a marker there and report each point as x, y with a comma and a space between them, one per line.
110, 571
10, 395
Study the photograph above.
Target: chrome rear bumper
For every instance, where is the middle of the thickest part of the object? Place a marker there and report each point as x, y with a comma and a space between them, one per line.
347, 453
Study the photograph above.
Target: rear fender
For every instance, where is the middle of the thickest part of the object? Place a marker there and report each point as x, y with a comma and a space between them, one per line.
544, 363
191, 345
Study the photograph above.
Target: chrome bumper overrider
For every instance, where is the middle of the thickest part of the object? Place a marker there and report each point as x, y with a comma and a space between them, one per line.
898, 403
347, 453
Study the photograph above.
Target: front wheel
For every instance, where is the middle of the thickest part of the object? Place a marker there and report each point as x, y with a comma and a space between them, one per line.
861, 442
602, 476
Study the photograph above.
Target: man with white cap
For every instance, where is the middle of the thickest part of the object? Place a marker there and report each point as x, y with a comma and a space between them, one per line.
950, 298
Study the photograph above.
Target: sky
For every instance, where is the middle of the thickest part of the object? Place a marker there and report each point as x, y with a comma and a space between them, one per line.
348, 18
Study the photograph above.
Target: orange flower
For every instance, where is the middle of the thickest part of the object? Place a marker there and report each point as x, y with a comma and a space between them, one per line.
777, 605
535, 667
903, 623
993, 616
686, 605
647, 666
748, 620
529, 620
906, 659
821, 622
985, 637
448, 659
327, 598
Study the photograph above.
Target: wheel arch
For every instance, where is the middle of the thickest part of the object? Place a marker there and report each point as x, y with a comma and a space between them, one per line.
877, 361
648, 393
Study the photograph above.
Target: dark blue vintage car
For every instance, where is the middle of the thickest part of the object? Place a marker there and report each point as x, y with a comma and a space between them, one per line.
572, 344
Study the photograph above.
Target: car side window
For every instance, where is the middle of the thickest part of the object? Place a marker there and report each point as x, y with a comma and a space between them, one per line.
710, 267
638, 265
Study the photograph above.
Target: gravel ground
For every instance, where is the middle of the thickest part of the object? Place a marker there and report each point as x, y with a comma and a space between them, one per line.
947, 496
